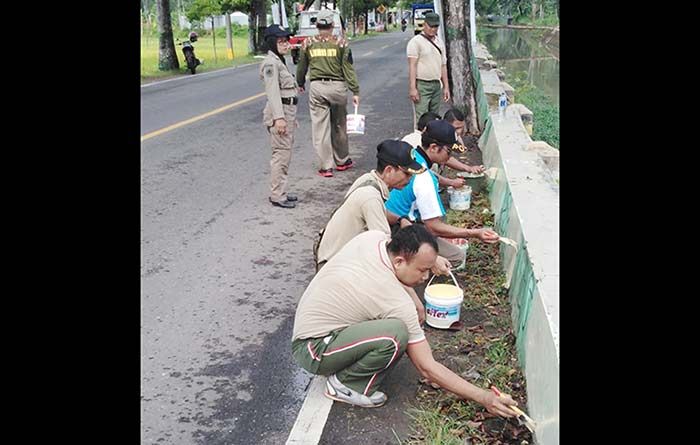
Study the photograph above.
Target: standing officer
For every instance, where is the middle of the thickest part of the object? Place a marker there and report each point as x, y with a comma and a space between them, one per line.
427, 68
331, 74
279, 115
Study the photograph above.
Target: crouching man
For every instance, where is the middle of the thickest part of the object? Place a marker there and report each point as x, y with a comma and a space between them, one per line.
356, 319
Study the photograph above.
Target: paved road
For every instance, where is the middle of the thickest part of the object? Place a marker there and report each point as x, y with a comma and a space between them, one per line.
221, 268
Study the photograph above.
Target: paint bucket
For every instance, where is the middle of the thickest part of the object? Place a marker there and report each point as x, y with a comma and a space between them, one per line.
355, 123
464, 246
442, 303
461, 198
477, 181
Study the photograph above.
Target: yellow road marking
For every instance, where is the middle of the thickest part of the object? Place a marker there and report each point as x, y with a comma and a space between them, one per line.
200, 117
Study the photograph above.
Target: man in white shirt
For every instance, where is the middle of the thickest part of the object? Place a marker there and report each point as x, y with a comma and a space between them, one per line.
420, 199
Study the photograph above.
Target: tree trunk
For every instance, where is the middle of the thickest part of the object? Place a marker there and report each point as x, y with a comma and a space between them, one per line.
213, 35
262, 24
229, 40
252, 20
354, 20
534, 10
167, 57
257, 22
366, 21
459, 70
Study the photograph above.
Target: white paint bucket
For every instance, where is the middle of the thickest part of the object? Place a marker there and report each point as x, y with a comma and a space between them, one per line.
355, 123
442, 303
461, 198
464, 246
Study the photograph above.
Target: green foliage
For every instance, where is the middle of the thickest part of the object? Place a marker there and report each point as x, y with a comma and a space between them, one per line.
520, 10
545, 112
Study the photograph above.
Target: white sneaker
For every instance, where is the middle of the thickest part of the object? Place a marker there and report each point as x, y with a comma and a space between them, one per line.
337, 391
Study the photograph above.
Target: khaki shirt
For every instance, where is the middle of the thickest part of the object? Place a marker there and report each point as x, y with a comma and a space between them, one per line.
430, 61
358, 284
362, 210
326, 58
279, 82
414, 138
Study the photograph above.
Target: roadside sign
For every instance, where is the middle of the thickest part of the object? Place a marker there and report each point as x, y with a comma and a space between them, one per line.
381, 9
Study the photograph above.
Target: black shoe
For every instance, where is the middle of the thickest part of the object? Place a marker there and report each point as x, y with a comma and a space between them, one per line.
286, 204
291, 197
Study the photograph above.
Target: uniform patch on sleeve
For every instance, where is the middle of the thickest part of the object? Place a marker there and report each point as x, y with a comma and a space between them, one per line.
268, 70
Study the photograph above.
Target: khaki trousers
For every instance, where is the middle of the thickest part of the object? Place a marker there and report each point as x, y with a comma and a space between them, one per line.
430, 96
322, 96
339, 133
281, 154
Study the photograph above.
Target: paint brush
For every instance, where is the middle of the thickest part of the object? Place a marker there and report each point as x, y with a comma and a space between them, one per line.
508, 241
523, 419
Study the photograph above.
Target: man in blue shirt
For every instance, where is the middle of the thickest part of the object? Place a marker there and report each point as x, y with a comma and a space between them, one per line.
420, 199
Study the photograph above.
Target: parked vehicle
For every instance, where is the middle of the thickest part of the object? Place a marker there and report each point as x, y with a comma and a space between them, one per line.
188, 52
419, 10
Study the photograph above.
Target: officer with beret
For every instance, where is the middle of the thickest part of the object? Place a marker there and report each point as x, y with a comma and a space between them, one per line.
279, 115
331, 75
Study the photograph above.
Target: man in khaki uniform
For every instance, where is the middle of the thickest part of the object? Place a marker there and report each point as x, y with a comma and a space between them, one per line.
427, 68
355, 320
363, 207
331, 74
279, 115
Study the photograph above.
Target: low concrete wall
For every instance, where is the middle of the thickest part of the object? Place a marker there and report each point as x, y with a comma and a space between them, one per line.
524, 193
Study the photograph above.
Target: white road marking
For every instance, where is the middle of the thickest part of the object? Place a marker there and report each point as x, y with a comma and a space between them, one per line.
308, 428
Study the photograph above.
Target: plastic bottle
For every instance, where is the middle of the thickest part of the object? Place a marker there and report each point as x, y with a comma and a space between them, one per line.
502, 104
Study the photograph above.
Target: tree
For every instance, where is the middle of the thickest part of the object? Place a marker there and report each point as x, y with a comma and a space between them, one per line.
167, 57
459, 51
201, 9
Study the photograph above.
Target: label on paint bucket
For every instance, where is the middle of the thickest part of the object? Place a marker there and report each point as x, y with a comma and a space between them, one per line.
355, 123
441, 312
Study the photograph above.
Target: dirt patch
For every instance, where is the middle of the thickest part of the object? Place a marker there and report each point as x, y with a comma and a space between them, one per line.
483, 352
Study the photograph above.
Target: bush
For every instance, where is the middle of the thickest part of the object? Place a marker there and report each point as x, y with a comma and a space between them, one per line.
545, 112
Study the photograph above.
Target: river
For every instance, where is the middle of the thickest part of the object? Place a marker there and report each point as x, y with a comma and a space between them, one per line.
520, 51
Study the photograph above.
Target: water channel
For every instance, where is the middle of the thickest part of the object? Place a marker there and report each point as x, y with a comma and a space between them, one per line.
522, 52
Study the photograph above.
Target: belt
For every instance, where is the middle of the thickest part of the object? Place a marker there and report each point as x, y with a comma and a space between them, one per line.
290, 100
435, 80
326, 79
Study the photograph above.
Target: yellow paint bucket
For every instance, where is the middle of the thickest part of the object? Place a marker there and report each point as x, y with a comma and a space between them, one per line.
443, 303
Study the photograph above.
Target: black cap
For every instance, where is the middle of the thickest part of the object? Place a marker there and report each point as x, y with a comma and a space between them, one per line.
276, 31
398, 153
442, 132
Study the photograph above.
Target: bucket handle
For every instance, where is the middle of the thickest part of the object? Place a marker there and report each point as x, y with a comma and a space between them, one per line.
453, 279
